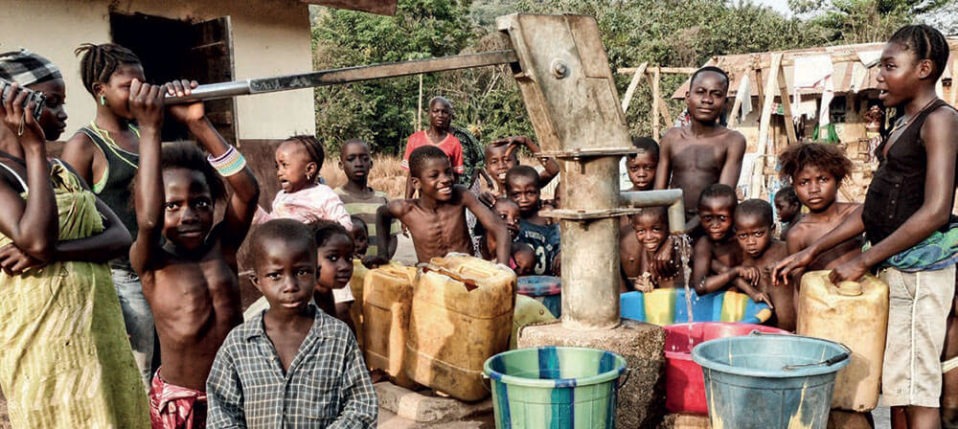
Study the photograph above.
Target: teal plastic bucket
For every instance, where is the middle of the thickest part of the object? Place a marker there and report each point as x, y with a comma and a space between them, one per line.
555, 387
753, 381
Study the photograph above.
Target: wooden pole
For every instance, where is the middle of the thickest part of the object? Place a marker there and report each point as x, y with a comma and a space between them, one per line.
656, 75
667, 70
638, 73
758, 167
786, 105
664, 110
419, 110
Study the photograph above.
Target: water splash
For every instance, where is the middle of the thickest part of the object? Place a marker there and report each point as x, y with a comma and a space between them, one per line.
682, 244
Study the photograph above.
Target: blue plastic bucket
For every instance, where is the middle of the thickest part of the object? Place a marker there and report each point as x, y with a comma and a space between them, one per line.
751, 381
555, 387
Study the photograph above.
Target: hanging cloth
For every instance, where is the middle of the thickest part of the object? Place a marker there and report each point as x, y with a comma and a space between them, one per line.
744, 93
812, 72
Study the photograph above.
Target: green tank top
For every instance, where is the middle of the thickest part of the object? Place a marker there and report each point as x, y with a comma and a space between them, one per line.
114, 188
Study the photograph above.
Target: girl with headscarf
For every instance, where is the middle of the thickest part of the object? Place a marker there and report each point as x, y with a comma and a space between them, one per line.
66, 361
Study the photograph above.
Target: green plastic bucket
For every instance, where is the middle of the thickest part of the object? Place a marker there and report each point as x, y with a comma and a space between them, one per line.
555, 387
770, 381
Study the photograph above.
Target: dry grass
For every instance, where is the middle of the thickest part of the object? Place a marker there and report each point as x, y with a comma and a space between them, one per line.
387, 175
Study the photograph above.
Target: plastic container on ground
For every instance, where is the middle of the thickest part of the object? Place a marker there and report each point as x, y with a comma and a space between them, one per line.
528, 311
769, 381
667, 306
856, 315
461, 315
545, 289
356, 284
684, 383
555, 387
387, 302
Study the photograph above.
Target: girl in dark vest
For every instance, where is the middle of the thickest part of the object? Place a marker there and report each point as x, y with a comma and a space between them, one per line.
105, 153
906, 218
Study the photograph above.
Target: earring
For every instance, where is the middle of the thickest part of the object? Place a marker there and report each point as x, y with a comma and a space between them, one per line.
102, 100
309, 177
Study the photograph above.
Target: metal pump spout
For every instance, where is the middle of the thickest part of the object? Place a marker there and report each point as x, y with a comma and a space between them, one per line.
662, 197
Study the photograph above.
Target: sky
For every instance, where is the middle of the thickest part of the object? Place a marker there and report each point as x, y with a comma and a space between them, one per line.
780, 6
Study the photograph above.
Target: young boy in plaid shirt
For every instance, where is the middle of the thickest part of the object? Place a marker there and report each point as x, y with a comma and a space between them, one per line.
292, 365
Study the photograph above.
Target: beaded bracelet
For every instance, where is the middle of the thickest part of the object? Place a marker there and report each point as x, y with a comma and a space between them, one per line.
229, 163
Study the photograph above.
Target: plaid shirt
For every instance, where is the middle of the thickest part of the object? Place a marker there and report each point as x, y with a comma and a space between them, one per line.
327, 385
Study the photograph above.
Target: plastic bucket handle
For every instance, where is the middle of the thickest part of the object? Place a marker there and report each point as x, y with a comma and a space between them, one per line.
624, 378
827, 362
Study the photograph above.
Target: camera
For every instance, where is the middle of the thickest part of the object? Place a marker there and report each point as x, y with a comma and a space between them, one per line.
35, 96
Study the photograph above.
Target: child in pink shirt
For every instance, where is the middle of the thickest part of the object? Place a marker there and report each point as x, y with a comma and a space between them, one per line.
302, 197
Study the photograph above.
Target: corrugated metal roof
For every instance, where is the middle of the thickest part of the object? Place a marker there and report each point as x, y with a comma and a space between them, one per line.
850, 73
382, 7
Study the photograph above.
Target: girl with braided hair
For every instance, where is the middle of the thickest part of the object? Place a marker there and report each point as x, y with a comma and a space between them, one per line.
105, 153
907, 219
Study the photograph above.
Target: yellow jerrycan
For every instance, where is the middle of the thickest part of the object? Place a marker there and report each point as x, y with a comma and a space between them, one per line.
356, 283
386, 304
856, 315
462, 312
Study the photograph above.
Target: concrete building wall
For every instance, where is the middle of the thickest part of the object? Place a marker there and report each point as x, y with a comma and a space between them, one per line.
270, 37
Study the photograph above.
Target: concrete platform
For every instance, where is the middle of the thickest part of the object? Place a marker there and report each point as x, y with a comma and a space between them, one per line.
424, 407
642, 398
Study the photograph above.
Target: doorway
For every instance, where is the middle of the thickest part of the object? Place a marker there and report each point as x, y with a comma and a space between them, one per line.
174, 49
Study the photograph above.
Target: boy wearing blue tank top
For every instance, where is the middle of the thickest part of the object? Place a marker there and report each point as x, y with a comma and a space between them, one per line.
522, 186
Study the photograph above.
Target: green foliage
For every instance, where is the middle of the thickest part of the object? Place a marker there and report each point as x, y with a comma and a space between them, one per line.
682, 33
861, 21
382, 112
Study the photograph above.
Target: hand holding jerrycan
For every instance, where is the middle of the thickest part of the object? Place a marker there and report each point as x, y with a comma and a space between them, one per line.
856, 315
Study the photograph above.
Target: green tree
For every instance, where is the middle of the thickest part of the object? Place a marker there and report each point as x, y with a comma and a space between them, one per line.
861, 21
382, 112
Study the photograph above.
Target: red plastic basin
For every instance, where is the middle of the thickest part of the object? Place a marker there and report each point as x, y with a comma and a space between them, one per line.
684, 382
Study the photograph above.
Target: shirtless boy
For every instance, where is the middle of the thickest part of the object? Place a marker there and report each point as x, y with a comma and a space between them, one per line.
187, 264
704, 152
650, 229
753, 230
500, 156
816, 171
437, 220
640, 168
789, 209
642, 164
717, 261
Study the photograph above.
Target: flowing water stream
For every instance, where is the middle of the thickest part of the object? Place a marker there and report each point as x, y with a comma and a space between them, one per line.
683, 247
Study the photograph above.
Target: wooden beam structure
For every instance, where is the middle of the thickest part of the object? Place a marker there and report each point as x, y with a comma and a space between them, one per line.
783, 94
666, 70
656, 94
758, 165
638, 73
659, 107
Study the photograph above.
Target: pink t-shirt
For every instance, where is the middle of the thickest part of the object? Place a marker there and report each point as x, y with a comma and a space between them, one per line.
307, 205
449, 145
